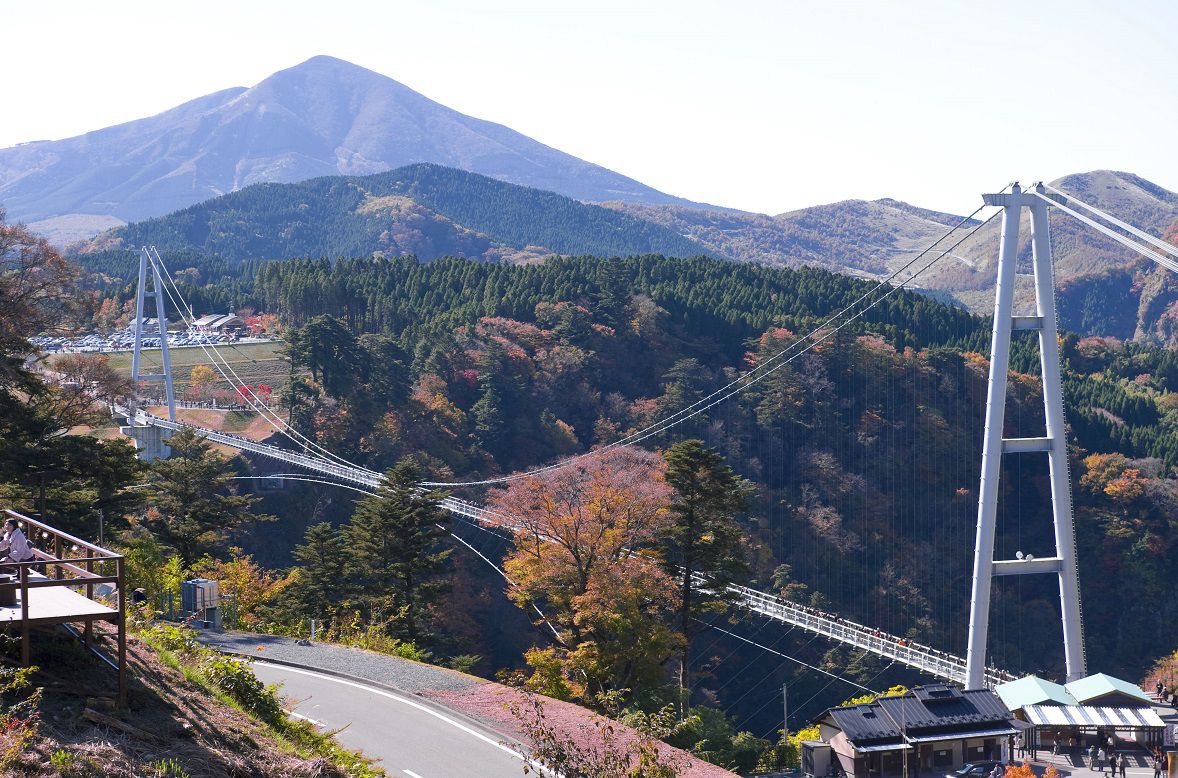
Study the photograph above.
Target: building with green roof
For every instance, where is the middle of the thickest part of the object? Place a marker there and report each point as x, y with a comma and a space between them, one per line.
1033, 690
1102, 690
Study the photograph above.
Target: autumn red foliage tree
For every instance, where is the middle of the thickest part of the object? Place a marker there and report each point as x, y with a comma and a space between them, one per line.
582, 536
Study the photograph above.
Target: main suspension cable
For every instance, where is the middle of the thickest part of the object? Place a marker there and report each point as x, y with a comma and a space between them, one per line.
1169, 248
1166, 262
757, 373
309, 446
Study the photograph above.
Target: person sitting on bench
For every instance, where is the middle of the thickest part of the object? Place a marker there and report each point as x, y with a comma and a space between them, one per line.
14, 546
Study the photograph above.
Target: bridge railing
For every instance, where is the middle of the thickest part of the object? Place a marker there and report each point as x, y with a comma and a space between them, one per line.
369, 478
924, 658
912, 654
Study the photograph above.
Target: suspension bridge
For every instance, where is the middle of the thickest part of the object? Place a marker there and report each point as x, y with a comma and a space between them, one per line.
971, 670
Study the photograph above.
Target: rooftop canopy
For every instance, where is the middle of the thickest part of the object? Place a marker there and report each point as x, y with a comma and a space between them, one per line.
1100, 685
1033, 690
1086, 716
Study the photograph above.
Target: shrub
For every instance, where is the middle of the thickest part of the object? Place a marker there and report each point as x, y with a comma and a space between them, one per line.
167, 768
62, 761
234, 678
169, 637
18, 720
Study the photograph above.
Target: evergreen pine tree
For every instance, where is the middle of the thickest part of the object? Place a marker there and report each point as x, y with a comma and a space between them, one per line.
322, 588
612, 295
487, 414
394, 559
704, 538
194, 505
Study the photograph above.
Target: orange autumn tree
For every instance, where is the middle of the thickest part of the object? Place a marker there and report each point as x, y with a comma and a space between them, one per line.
580, 536
1025, 771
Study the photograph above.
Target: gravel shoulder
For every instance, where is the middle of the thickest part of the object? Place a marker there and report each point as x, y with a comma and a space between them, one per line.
403, 674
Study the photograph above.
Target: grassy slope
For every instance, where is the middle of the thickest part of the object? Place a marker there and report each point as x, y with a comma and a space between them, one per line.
255, 363
174, 716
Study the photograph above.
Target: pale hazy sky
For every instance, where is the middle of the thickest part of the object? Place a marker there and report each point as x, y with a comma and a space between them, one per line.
765, 106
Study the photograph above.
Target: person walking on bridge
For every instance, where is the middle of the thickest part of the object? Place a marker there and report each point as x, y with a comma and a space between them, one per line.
1100, 760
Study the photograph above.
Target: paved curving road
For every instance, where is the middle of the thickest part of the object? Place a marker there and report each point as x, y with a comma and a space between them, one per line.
412, 738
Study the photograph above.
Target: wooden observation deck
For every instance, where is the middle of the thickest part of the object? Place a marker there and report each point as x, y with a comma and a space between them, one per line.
69, 581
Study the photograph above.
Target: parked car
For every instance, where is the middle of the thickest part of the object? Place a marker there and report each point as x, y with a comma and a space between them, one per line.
973, 770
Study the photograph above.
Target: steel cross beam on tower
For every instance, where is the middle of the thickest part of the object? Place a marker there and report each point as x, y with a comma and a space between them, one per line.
1054, 444
146, 261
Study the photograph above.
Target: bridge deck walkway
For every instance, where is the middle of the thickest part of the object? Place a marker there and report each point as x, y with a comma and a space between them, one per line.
919, 657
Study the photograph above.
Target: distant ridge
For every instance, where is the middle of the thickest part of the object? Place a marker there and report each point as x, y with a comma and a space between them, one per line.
322, 117
426, 210
432, 211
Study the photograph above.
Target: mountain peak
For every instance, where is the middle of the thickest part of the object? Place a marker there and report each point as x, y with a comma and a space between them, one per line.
327, 66
323, 116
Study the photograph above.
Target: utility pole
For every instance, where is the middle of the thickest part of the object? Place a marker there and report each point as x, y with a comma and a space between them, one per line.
785, 713
1054, 443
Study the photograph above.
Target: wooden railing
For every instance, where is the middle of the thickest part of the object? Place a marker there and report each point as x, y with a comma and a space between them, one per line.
52, 551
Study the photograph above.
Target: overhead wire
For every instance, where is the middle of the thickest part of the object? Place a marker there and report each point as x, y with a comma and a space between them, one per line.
754, 686
797, 708
807, 665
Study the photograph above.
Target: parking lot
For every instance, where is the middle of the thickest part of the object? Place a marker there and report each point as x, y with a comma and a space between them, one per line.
124, 340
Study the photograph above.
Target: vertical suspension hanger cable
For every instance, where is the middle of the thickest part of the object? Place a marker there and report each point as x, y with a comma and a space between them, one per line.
830, 327
210, 351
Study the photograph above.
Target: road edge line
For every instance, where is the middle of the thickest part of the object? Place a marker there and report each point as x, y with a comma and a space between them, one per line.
410, 699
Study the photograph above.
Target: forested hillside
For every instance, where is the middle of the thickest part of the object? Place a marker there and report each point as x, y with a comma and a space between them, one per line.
429, 212
865, 452
425, 210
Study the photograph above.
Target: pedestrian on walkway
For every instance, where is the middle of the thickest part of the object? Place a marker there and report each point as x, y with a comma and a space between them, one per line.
1112, 763
1160, 687
1092, 757
1100, 760
1123, 760
1157, 767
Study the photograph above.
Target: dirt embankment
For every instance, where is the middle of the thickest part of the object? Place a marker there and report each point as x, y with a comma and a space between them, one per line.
171, 727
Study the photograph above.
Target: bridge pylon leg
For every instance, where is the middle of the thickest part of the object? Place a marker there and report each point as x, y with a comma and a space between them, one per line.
147, 266
1054, 444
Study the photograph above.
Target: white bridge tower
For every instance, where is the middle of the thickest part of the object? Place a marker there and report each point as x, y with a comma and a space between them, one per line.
1063, 564
148, 261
